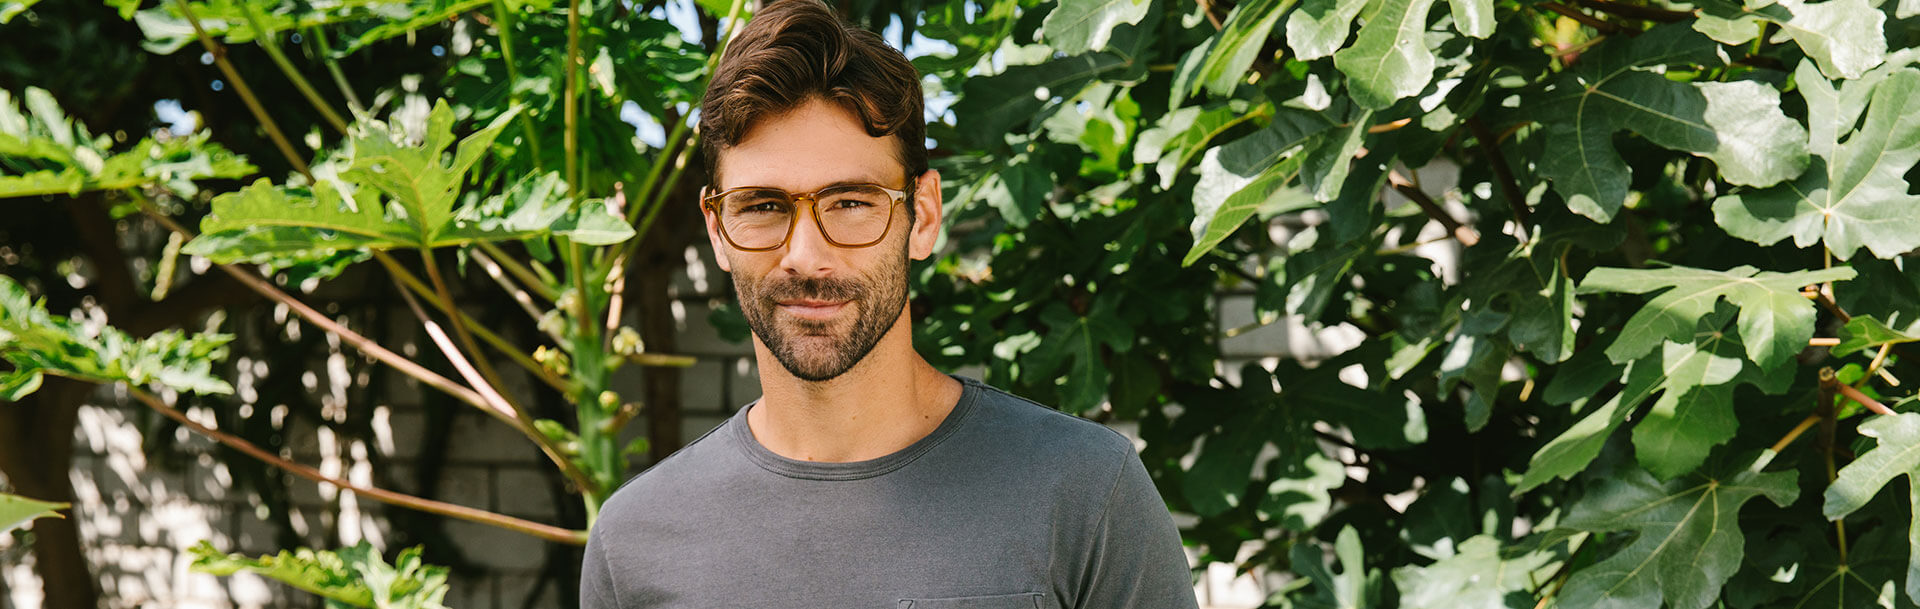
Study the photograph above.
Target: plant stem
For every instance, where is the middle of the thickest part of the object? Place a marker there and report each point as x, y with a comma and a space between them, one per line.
1516, 198
491, 376
499, 407
420, 288
519, 295
1794, 434
1829, 385
534, 283
543, 531
1464, 234
569, 112
505, 26
365, 345
269, 40
1857, 396
333, 69
1589, 20
219, 54
1634, 11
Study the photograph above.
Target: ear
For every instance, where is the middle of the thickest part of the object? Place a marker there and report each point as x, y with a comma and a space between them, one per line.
927, 218
721, 252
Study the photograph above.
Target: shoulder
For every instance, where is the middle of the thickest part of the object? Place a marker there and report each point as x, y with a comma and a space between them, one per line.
676, 479
1047, 435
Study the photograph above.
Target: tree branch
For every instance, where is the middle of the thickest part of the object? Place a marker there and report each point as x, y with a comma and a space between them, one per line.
543, 531
1589, 20
1464, 234
1516, 198
364, 344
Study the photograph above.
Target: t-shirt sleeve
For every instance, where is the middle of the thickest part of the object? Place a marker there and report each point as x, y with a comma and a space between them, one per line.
596, 578
1136, 561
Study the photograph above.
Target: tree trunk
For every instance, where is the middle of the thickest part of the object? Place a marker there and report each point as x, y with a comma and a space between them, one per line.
36, 453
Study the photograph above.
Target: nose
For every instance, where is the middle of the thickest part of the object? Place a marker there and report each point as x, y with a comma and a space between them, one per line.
807, 252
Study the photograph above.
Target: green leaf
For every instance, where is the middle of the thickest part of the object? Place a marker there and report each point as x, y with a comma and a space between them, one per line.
1863, 332
19, 384
1246, 174
1686, 538
1217, 215
1389, 60
1301, 500
998, 103
1328, 164
1774, 319
1233, 50
1219, 477
1714, 363
37, 342
17, 511
355, 576
395, 196
1737, 125
1898, 452
1477, 361
1473, 17
1855, 195
1845, 37
1320, 27
12, 8
1078, 26
53, 155
1354, 587
1479, 575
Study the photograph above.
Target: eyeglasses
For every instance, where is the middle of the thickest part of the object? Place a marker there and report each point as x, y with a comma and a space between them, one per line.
760, 218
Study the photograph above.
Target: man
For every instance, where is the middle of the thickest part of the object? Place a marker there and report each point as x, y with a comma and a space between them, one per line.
863, 477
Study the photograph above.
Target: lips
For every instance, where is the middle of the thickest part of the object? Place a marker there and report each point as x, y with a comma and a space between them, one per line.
812, 309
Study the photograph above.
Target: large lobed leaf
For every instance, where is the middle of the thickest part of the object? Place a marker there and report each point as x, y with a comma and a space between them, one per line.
354, 576
38, 343
1738, 125
1686, 539
1078, 26
394, 195
1855, 194
1898, 453
1774, 318
1694, 413
43, 152
1389, 60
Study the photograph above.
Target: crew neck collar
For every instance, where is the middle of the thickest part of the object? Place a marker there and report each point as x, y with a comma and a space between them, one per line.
853, 470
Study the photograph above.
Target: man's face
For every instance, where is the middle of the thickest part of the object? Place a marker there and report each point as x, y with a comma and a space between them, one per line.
819, 308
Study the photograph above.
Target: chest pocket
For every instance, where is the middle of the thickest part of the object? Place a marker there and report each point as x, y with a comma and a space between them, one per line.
1001, 601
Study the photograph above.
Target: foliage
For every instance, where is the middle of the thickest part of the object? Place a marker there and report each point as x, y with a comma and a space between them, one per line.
17, 511
1568, 375
1562, 338
39, 343
43, 152
354, 576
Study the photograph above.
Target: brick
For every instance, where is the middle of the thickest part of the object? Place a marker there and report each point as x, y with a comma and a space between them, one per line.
527, 591
497, 548
524, 492
465, 485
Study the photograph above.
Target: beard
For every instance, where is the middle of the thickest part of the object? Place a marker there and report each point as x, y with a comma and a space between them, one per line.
817, 350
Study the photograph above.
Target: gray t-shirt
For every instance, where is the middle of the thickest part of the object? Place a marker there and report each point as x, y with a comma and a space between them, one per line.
1007, 504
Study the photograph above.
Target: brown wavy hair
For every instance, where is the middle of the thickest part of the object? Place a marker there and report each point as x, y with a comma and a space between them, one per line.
796, 50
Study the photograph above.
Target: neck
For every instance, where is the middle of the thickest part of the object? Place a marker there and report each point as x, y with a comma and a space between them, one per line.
888, 401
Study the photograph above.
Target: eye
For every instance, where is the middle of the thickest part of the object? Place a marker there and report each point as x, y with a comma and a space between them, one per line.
761, 208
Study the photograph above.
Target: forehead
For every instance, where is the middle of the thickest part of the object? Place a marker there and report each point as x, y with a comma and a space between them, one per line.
813, 145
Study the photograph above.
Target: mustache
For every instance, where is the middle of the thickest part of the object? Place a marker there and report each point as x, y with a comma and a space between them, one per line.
813, 288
